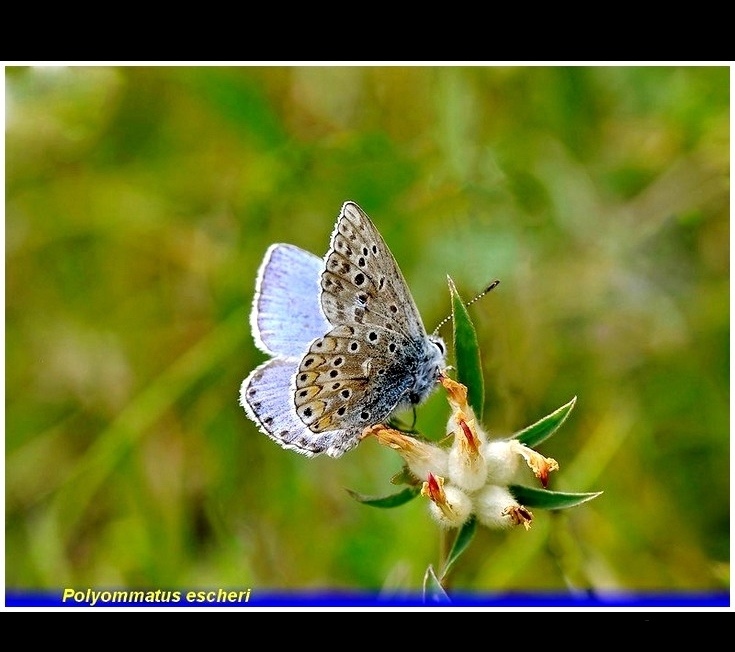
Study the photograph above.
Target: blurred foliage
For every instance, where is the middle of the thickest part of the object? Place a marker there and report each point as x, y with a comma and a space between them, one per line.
139, 203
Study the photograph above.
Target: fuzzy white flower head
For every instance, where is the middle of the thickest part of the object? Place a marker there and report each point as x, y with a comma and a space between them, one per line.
449, 506
502, 461
496, 508
422, 458
466, 463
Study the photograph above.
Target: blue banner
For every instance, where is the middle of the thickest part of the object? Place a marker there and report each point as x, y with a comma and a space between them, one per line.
252, 597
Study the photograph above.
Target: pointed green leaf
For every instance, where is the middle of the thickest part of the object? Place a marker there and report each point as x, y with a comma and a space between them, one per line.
534, 434
467, 352
393, 500
543, 499
461, 543
433, 590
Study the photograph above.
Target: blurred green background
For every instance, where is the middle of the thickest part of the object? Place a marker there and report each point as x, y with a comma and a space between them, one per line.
139, 203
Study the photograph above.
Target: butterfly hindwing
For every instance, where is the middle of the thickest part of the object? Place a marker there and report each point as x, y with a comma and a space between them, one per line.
268, 405
351, 378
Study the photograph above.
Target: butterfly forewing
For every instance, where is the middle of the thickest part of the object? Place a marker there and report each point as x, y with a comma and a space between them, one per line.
362, 282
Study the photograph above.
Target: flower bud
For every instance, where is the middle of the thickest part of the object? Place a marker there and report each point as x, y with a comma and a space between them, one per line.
449, 505
496, 508
466, 464
421, 457
540, 465
503, 461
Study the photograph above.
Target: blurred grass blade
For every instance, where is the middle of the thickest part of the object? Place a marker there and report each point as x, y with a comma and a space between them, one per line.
392, 500
433, 590
461, 543
544, 428
135, 421
467, 352
543, 499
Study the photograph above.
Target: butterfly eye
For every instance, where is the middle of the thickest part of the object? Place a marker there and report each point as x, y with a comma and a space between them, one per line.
439, 344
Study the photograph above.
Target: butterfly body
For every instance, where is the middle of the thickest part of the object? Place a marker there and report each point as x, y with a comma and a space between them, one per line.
348, 344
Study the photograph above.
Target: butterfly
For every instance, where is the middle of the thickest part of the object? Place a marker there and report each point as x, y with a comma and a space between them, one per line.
347, 344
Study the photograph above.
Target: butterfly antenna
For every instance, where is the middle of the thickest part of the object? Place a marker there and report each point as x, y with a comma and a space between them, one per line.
492, 285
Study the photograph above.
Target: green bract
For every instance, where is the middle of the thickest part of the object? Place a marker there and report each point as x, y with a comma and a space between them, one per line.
543, 429
467, 353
